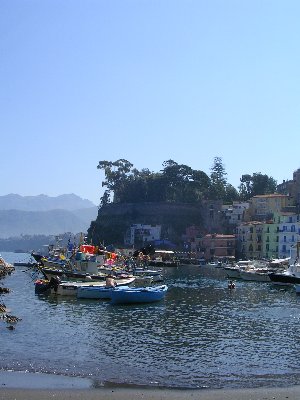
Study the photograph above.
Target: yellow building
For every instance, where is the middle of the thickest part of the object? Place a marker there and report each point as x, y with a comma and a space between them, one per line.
263, 207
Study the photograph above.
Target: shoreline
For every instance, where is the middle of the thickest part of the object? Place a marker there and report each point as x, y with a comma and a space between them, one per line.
37, 386
150, 394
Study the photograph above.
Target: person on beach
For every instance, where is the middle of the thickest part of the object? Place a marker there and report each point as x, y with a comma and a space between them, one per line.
110, 281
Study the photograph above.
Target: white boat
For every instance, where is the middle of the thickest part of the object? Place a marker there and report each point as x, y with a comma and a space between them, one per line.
215, 264
164, 258
70, 288
233, 271
148, 275
255, 274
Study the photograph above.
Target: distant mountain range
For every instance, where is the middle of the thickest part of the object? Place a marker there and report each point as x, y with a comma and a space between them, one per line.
44, 215
42, 202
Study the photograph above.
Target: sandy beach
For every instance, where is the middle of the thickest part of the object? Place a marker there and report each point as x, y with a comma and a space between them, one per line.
31, 386
292, 393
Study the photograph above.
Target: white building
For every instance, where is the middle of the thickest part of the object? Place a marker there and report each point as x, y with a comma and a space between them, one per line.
142, 234
234, 212
289, 233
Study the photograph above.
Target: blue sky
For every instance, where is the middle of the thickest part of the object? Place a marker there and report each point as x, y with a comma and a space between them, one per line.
147, 81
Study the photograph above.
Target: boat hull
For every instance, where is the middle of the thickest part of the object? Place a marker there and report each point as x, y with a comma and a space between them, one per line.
160, 264
284, 279
254, 276
70, 288
232, 273
50, 272
139, 295
97, 292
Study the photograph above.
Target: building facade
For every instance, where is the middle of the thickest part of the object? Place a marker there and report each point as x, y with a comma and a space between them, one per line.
288, 233
139, 235
249, 240
216, 246
263, 207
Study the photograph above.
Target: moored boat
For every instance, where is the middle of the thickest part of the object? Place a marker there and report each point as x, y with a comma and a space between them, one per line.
97, 292
255, 274
147, 294
164, 258
291, 276
67, 288
233, 271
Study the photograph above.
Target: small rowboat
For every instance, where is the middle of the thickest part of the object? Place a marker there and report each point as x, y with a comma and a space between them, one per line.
146, 294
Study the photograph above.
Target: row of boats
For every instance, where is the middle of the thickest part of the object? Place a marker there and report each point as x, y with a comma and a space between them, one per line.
122, 293
87, 273
83, 272
278, 271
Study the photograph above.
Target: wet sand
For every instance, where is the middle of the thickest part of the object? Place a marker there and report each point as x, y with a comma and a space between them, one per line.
26, 386
150, 394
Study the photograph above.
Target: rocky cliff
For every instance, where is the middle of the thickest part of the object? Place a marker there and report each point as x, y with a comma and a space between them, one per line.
114, 219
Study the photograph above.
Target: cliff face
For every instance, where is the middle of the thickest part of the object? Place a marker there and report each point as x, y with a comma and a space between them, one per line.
114, 219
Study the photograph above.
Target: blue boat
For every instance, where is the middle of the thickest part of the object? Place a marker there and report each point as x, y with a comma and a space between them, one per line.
147, 294
97, 292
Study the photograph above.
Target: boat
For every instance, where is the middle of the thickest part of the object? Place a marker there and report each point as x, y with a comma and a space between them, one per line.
290, 276
97, 292
146, 294
155, 275
233, 271
215, 264
28, 264
68, 288
164, 258
83, 263
255, 274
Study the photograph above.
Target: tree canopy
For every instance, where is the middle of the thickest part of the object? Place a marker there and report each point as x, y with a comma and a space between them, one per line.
256, 184
177, 183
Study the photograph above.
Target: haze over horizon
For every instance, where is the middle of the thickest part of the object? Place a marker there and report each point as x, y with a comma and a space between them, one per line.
146, 81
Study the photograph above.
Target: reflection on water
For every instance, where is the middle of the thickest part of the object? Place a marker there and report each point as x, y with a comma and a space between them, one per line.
201, 335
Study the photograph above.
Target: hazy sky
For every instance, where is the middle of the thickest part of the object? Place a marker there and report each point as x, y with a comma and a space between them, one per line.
83, 81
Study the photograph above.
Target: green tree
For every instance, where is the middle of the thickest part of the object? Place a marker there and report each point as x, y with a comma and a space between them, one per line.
256, 184
184, 184
245, 188
218, 180
116, 176
177, 178
231, 194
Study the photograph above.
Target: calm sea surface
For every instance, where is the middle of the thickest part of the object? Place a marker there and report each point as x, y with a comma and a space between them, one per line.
201, 335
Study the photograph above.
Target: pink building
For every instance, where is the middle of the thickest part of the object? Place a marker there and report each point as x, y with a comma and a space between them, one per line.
217, 246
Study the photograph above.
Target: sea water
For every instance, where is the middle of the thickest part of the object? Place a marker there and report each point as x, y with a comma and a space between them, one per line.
202, 335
